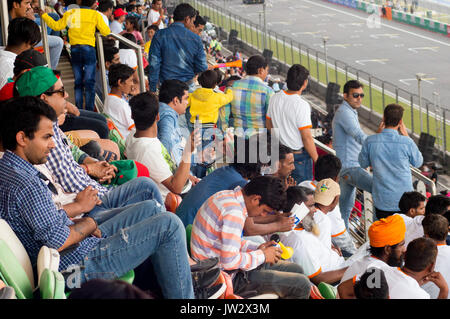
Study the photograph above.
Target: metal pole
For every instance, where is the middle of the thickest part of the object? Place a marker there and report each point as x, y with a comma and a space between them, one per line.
412, 113
265, 25
317, 65
44, 36
325, 39
419, 77
101, 64
4, 21
436, 122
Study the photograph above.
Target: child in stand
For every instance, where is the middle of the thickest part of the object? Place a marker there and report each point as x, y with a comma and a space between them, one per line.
116, 105
205, 103
132, 26
151, 31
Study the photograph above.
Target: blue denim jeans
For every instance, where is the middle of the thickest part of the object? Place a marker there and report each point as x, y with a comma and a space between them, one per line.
138, 232
137, 190
303, 167
349, 179
84, 62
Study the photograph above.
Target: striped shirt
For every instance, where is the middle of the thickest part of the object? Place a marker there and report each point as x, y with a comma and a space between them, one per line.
66, 171
217, 231
26, 204
250, 102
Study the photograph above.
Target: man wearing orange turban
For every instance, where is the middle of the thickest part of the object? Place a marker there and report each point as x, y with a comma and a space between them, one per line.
386, 247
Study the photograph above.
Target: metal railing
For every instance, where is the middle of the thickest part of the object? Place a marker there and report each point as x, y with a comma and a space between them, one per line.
421, 114
101, 63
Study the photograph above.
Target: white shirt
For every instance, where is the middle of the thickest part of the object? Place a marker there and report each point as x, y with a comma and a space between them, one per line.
105, 18
116, 27
414, 228
7, 59
120, 112
324, 222
403, 286
290, 113
360, 265
152, 153
311, 253
153, 16
128, 57
442, 266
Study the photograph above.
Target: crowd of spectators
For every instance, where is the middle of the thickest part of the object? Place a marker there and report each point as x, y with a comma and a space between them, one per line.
185, 182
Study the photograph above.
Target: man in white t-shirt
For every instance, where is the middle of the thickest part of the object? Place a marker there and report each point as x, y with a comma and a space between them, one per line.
291, 115
156, 14
144, 146
319, 262
116, 26
120, 79
105, 8
436, 227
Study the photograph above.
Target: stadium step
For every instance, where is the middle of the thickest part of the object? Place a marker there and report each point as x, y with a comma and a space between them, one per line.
68, 79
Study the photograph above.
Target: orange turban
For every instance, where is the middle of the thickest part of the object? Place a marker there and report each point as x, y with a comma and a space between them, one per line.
387, 231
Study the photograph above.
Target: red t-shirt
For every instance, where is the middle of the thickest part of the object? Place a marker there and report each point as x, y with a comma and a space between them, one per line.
6, 92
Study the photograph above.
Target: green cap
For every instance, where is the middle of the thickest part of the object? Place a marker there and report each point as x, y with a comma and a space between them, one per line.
36, 81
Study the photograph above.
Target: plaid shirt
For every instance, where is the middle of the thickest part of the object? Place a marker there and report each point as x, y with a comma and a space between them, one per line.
250, 102
66, 171
26, 205
217, 232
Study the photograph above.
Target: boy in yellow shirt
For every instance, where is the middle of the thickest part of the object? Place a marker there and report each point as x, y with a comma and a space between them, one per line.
204, 106
82, 23
151, 30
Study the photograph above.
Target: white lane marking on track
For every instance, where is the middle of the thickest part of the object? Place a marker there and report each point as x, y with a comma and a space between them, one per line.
363, 62
384, 25
406, 81
416, 50
385, 35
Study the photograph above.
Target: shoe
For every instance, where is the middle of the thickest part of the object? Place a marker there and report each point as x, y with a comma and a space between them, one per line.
213, 292
205, 264
205, 279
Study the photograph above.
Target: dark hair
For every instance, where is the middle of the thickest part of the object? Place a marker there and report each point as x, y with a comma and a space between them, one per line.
363, 290
296, 195
171, 89
131, 7
153, 27
410, 200
283, 151
109, 53
246, 163
421, 253
254, 63
22, 114
270, 188
23, 30
129, 36
105, 5
118, 72
28, 59
199, 21
327, 166
296, 77
87, 3
325, 138
108, 42
182, 11
134, 21
393, 113
108, 289
208, 79
352, 84
437, 204
144, 110
10, 3
435, 226
154, 1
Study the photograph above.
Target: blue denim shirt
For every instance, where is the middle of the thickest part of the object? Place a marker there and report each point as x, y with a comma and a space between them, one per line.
390, 155
169, 132
347, 135
175, 53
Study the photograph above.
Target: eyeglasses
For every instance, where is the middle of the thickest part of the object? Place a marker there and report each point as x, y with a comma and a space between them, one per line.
61, 91
357, 95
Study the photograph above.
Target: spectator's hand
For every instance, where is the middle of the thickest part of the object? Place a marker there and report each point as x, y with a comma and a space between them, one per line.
102, 170
285, 223
402, 129
97, 233
336, 249
381, 126
41, 12
290, 181
436, 278
88, 198
194, 180
72, 109
272, 254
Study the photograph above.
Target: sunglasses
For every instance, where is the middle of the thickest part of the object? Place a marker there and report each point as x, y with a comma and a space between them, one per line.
357, 95
61, 91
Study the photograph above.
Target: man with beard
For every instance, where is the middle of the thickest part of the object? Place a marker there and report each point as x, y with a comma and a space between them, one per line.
319, 262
